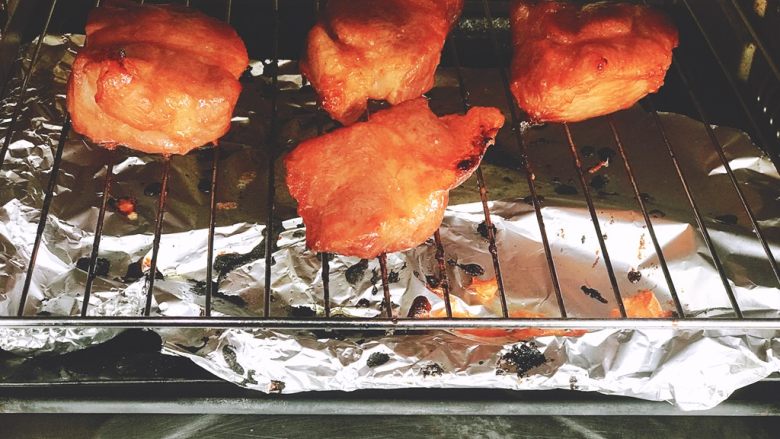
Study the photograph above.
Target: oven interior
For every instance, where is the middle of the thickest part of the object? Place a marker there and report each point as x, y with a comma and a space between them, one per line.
725, 73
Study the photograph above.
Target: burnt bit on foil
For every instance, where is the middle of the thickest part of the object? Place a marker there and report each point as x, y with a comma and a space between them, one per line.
634, 276
225, 263
199, 288
431, 370
135, 271
102, 266
229, 354
377, 359
303, 311
355, 273
421, 307
483, 230
520, 359
473, 270
593, 293
393, 277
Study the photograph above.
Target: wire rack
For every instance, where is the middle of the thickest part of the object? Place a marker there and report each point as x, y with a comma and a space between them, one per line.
389, 321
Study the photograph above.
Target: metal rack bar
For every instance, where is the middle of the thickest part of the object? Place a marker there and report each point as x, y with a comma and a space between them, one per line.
595, 220
9, 133
405, 324
98, 235
650, 228
718, 147
696, 211
55, 171
325, 282
443, 278
492, 248
212, 228
529, 173
270, 200
213, 203
385, 285
158, 223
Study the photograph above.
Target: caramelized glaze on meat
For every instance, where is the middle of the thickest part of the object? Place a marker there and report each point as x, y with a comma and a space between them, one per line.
160, 79
382, 185
375, 49
575, 62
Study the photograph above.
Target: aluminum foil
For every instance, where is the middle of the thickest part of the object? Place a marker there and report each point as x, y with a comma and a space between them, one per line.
691, 369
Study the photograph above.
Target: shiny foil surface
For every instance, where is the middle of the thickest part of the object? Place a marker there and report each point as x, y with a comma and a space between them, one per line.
691, 369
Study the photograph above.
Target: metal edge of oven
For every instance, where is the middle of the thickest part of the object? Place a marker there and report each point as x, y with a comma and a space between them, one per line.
757, 97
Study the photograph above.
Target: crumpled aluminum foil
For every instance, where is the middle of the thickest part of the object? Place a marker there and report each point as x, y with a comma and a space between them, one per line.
691, 369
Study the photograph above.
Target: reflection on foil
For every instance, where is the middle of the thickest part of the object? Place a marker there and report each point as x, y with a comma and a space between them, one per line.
692, 369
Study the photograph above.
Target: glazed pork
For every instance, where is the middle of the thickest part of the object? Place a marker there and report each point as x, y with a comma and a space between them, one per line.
159, 79
375, 49
382, 185
574, 62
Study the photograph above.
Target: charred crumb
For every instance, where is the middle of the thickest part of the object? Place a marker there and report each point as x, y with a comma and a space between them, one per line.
224, 264
250, 378
433, 369
655, 213
298, 234
421, 307
303, 311
728, 219
134, 272
199, 288
472, 269
102, 266
355, 273
482, 229
377, 359
374, 290
520, 359
604, 237
593, 293
375, 276
152, 189
393, 277
452, 262
229, 354
634, 276
363, 303
573, 383
582, 239
432, 281
276, 386
647, 198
